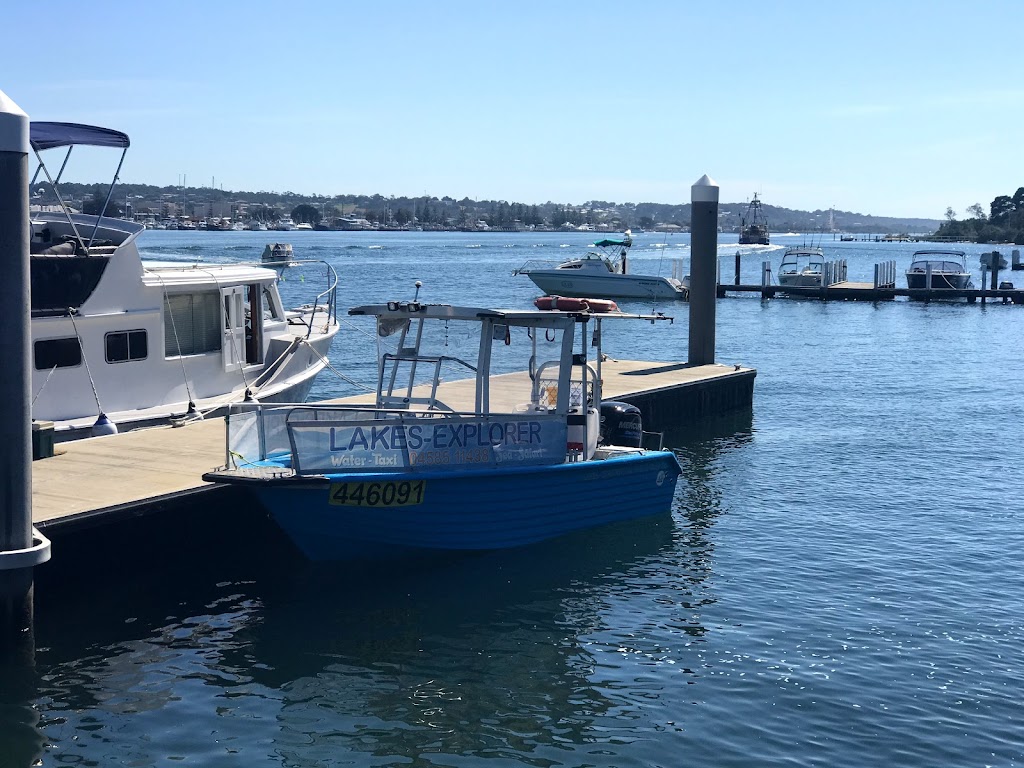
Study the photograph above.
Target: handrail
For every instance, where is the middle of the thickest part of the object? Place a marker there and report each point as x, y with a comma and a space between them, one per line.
429, 359
331, 292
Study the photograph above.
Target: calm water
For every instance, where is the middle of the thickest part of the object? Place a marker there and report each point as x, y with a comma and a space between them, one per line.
838, 582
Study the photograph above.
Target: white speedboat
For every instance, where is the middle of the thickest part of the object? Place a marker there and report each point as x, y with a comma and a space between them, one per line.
802, 267
939, 270
600, 276
116, 339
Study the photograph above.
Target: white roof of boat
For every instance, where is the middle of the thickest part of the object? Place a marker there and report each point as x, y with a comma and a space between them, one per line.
178, 273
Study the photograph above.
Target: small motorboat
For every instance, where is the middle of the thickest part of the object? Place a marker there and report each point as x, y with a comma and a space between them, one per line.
802, 267
515, 453
939, 270
598, 275
280, 254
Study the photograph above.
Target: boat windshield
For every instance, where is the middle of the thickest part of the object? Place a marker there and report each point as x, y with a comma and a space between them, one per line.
802, 262
937, 265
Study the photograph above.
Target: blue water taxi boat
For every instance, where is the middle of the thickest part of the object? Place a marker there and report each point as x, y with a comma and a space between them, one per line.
487, 431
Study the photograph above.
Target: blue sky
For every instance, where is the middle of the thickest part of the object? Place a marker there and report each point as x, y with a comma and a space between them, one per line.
885, 108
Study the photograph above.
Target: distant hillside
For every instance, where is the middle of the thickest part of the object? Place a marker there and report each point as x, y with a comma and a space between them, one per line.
446, 212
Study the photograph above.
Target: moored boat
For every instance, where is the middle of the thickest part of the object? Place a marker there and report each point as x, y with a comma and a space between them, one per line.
939, 269
431, 465
598, 275
802, 267
118, 340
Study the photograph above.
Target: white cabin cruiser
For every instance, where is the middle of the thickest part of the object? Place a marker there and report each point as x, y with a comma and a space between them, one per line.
939, 269
802, 267
600, 276
116, 339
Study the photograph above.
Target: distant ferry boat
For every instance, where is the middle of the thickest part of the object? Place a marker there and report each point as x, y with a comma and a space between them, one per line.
754, 226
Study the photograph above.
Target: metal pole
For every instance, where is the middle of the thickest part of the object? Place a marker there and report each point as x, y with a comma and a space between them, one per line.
703, 270
16, 413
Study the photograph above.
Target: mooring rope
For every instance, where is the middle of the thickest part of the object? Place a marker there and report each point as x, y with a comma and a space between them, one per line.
85, 359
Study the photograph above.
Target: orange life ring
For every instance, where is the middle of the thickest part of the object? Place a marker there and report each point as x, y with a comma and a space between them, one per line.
564, 303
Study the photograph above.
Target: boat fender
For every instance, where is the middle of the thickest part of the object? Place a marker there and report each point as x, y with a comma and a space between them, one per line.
103, 426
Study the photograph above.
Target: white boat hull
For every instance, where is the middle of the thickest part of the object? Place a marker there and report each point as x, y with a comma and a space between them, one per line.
124, 352
809, 280
562, 282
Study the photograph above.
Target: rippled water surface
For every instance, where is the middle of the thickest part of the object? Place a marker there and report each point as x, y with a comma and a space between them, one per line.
838, 582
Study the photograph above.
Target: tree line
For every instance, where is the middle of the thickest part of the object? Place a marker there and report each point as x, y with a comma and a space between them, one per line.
447, 211
1004, 222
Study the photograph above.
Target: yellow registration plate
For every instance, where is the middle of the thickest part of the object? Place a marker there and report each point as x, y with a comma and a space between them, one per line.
397, 493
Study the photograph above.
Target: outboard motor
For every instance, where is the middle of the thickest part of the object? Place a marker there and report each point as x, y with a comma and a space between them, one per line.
621, 424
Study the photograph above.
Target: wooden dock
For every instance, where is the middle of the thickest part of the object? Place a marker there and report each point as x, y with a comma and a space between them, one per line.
106, 479
855, 291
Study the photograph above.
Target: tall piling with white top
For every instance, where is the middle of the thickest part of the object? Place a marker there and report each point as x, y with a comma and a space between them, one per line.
703, 270
16, 535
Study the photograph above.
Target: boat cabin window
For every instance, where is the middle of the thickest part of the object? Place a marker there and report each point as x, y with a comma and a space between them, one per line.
124, 346
57, 353
192, 323
272, 307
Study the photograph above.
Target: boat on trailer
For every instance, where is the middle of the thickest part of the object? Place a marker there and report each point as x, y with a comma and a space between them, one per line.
598, 275
120, 343
501, 457
939, 269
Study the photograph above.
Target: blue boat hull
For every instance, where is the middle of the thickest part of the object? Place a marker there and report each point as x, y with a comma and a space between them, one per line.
471, 510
